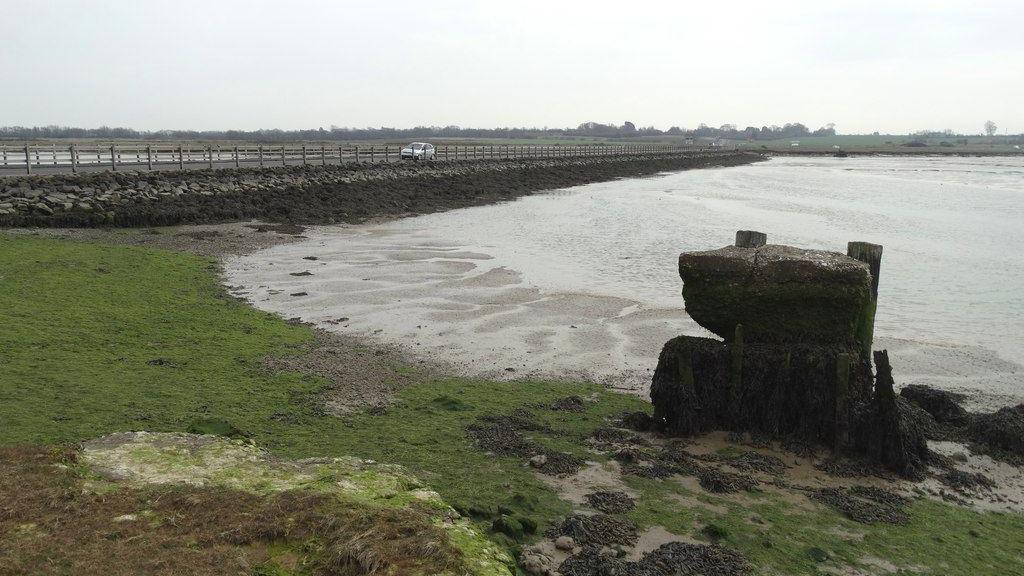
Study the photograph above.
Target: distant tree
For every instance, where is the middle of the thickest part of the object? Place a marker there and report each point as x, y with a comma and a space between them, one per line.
674, 131
628, 127
990, 128
826, 130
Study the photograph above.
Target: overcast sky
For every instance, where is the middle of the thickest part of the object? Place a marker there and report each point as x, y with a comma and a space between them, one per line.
893, 66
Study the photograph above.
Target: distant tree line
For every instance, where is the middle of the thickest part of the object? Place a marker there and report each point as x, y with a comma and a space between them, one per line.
587, 129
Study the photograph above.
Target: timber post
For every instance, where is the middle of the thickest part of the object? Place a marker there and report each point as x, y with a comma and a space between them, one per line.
870, 254
842, 392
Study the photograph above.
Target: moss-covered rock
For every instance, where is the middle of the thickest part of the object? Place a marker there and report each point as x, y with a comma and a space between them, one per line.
779, 294
143, 458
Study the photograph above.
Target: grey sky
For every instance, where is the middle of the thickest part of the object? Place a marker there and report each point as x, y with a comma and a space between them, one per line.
893, 66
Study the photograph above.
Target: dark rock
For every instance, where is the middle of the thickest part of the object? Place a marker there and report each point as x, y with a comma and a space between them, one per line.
942, 405
508, 526
1002, 430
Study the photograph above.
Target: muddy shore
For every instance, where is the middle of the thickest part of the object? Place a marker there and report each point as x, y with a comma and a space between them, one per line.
311, 194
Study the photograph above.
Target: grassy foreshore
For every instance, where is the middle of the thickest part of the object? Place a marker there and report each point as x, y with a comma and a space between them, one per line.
98, 339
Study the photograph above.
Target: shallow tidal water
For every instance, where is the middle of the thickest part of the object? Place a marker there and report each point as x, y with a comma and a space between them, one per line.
582, 282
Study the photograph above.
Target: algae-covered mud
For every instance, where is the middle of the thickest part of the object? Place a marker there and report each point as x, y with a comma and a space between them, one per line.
582, 282
143, 458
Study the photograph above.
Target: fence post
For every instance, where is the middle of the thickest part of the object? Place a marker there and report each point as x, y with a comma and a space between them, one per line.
113, 158
284, 158
181, 158
259, 152
323, 155
371, 153
235, 151
28, 161
209, 154
71, 151
357, 154
303, 154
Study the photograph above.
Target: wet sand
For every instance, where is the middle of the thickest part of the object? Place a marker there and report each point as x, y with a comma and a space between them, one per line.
458, 306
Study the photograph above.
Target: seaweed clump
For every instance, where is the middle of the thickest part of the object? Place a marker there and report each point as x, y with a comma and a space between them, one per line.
671, 559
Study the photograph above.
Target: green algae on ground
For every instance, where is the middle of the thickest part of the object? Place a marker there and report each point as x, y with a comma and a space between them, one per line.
143, 458
783, 533
82, 323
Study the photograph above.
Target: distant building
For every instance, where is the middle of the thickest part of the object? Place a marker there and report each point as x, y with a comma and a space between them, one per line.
794, 143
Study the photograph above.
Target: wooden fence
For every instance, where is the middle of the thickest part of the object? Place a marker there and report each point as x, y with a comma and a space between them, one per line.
115, 157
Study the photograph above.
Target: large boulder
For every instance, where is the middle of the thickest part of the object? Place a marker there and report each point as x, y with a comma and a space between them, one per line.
779, 294
942, 405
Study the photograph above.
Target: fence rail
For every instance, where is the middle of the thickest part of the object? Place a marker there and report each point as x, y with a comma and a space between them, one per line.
49, 158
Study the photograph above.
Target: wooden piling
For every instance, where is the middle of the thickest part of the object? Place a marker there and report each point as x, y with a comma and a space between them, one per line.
750, 239
870, 254
885, 393
842, 406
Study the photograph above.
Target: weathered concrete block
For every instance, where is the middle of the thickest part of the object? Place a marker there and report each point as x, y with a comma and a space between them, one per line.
778, 293
702, 384
821, 394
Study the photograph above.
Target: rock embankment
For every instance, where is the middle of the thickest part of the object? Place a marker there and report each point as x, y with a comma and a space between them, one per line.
310, 194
